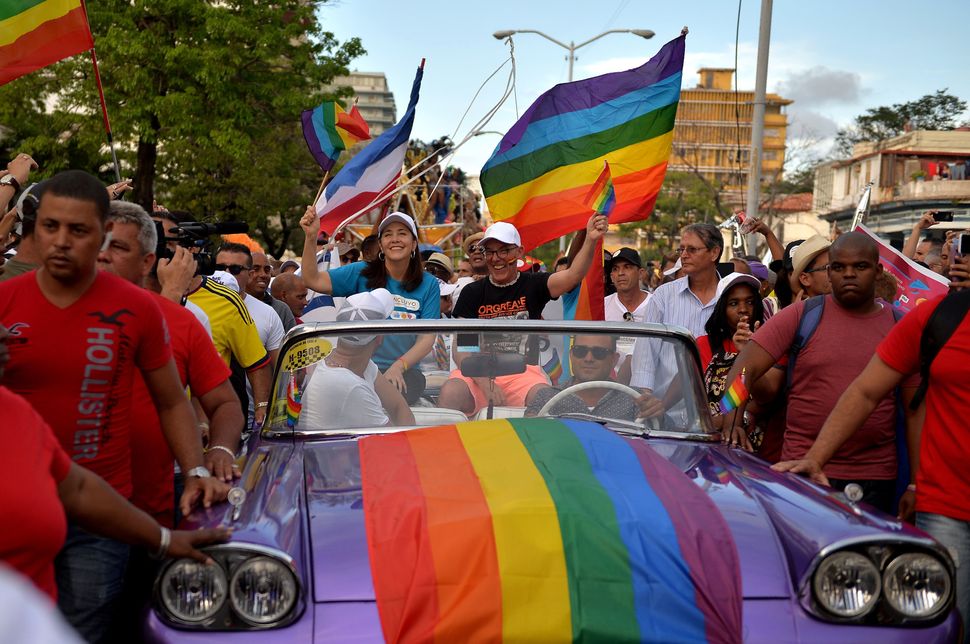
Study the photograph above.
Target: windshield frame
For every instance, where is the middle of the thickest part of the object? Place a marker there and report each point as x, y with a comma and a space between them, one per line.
301, 332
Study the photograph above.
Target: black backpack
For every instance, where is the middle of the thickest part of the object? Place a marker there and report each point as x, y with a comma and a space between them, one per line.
942, 324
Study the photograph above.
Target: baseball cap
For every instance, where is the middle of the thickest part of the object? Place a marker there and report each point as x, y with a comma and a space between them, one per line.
627, 255
441, 260
226, 279
446, 288
673, 269
504, 232
288, 263
804, 255
367, 306
471, 239
733, 279
759, 270
399, 217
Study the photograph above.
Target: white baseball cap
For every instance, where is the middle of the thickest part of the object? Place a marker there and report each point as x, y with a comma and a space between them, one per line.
399, 217
504, 232
734, 279
446, 288
226, 279
367, 306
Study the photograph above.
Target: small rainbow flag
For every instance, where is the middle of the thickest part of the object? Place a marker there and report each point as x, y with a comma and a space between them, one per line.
542, 530
329, 130
587, 301
735, 395
602, 197
36, 34
553, 367
293, 404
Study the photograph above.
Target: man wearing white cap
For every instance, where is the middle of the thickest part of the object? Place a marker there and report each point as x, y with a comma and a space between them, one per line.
508, 293
346, 389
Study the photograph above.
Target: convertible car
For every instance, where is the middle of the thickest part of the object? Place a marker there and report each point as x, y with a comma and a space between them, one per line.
361, 518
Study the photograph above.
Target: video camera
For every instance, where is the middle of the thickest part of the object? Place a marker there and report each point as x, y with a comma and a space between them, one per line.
195, 236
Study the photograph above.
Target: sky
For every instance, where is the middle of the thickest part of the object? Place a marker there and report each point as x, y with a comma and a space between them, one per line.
835, 59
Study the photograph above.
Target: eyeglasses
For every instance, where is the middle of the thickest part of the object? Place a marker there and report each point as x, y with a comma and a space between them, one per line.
501, 253
438, 271
690, 250
599, 353
232, 269
823, 267
262, 269
627, 316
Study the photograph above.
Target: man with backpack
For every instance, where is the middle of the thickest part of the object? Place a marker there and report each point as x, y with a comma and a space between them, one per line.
934, 341
848, 325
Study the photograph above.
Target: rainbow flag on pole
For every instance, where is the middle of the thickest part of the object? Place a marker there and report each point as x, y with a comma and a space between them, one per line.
602, 196
329, 130
545, 531
34, 34
544, 167
735, 395
587, 301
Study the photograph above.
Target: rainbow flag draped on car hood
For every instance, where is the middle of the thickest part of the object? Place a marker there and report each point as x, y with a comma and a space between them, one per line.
542, 530
544, 167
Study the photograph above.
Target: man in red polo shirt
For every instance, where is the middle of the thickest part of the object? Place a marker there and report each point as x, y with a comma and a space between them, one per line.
77, 337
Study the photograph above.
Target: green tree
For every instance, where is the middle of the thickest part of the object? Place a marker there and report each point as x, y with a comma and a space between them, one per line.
938, 111
205, 100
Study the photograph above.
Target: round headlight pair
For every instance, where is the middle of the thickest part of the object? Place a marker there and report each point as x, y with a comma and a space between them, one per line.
262, 590
848, 584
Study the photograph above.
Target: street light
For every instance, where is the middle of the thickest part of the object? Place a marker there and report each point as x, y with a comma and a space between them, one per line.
571, 48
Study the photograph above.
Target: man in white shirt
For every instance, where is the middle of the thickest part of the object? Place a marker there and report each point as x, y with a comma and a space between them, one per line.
346, 389
629, 303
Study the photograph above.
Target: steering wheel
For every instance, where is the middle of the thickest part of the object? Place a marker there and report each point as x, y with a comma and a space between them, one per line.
651, 423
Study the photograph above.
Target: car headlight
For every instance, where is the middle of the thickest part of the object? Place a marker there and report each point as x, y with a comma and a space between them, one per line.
916, 585
262, 590
193, 592
847, 584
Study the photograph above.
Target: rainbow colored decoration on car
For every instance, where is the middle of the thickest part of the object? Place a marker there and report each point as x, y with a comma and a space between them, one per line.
542, 530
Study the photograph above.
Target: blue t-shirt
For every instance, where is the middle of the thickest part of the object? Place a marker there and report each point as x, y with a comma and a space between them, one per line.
423, 303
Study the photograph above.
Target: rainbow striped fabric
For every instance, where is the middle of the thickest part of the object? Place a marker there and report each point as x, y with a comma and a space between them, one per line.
37, 33
329, 130
602, 196
544, 166
587, 301
293, 404
735, 395
542, 530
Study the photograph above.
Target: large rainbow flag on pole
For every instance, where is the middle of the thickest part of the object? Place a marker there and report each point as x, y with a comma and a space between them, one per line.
329, 130
34, 34
545, 165
543, 531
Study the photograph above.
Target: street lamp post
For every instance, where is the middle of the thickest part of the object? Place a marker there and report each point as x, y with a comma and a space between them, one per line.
571, 48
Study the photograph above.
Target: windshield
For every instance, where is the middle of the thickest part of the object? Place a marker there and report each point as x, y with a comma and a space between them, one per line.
335, 381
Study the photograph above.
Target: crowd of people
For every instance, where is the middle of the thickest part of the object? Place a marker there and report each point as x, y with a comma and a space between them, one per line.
106, 321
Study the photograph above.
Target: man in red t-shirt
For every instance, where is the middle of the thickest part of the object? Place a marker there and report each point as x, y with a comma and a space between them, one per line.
852, 325
940, 453
77, 336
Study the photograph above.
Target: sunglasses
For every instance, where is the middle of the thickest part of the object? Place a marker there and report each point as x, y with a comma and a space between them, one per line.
599, 353
232, 269
438, 271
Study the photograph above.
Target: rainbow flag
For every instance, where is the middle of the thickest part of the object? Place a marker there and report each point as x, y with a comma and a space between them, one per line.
735, 395
587, 301
542, 170
602, 196
329, 130
34, 34
553, 367
542, 530
293, 404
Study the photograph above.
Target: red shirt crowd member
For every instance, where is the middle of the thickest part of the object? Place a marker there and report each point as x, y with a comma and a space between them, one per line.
852, 325
76, 336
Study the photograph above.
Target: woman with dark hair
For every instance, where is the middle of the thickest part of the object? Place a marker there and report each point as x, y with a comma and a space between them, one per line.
399, 269
738, 313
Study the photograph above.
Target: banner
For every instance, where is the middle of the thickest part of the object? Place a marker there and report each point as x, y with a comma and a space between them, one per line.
916, 283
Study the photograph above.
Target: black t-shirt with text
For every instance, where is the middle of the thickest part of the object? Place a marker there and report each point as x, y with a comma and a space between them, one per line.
523, 300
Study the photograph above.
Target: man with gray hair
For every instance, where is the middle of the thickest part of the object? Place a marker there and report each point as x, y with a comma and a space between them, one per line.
687, 302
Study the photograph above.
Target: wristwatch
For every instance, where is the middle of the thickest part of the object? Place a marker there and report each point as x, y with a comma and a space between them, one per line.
10, 180
200, 471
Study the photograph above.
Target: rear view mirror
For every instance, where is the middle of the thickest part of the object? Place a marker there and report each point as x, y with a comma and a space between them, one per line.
492, 365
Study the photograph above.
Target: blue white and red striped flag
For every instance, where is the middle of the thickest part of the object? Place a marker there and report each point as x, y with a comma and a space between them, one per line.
371, 176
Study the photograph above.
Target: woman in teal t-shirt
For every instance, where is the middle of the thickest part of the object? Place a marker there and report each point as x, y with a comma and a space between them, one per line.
399, 269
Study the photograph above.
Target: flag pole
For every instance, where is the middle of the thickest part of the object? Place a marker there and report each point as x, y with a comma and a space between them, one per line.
323, 182
104, 106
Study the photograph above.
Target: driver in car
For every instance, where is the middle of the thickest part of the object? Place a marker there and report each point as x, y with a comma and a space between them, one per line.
592, 358
347, 390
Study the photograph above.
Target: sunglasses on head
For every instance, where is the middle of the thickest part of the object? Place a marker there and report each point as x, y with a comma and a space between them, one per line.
599, 353
232, 269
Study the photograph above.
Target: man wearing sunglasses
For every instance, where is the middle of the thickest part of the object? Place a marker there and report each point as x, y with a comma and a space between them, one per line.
258, 286
476, 256
591, 358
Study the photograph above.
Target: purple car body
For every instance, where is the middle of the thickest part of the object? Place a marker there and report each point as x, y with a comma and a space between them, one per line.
302, 503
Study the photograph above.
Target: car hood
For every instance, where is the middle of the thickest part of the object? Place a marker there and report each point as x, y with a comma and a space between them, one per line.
779, 522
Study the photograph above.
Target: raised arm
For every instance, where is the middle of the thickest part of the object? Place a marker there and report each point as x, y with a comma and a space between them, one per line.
567, 280
312, 277
927, 220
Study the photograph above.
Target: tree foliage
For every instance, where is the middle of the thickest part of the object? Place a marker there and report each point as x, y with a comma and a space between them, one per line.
204, 98
938, 111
